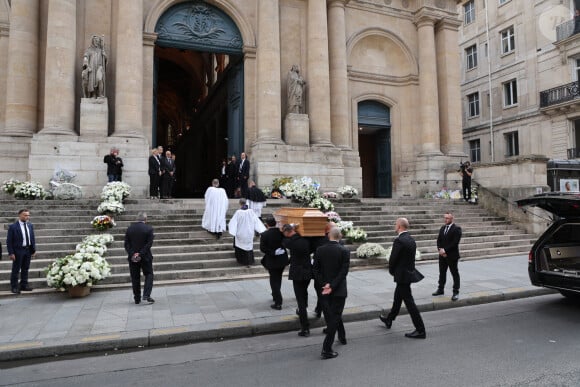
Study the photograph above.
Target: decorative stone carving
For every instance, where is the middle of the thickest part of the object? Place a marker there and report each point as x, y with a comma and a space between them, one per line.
94, 70
295, 90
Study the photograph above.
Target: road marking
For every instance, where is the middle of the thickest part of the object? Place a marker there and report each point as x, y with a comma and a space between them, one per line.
288, 318
100, 338
32, 344
169, 331
235, 324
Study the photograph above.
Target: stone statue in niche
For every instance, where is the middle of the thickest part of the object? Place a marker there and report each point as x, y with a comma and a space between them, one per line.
295, 91
94, 69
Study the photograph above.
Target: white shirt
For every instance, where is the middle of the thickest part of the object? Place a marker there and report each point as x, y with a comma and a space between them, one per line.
22, 225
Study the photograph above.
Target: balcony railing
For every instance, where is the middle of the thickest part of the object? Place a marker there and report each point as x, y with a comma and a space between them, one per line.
565, 30
559, 94
573, 153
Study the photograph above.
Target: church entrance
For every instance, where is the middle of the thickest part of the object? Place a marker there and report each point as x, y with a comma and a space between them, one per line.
374, 142
198, 93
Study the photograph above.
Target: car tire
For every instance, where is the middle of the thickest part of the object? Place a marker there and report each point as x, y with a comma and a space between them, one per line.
570, 295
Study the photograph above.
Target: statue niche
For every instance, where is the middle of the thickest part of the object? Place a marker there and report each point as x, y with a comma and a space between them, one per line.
94, 70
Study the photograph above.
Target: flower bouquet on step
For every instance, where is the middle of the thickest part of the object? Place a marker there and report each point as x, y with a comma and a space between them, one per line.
115, 191
79, 269
356, 235
112, 207
322, 204
103, 222
348, 191
29, 190
9, 186
371, 250
102, 239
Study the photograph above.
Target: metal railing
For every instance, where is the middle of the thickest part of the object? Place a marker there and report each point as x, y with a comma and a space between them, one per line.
565, 30
559, 94
573, 153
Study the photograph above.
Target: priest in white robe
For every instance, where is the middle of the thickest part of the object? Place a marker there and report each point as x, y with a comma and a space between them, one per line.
242, 226
216, 206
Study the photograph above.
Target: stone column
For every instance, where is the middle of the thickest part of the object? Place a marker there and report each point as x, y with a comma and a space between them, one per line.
428, 95
4, 29
269, 84
448, 69
59, 85
318, 77
22, 84
129, 69
339, 106
148, 64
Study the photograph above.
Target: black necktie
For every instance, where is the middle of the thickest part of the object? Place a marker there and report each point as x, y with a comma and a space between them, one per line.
26, 233
446, 229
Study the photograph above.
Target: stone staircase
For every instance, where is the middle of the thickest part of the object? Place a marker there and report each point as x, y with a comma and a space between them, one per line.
185, 253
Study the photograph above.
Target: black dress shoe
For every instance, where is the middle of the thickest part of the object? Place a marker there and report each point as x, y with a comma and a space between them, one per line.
318, 313
276, 306
416, 335
26, 289
388, 322
438, 292
342, 340
324, 331
15, 291
455, 297
328, 355
137, 301
304, 333
149, 300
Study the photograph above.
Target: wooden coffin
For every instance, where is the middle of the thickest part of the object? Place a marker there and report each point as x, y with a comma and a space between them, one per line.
309, 221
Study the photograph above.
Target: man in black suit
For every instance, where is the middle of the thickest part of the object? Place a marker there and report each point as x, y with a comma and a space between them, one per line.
300, 272
331, 263
232, 178
448, 246
21, 246
243, 174
168, 171
138, 242
154, 174
275, 259
402, 268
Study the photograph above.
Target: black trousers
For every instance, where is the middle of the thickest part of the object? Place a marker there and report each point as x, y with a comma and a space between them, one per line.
301, 294
145, 265
403, 294
332, 307
154, 180
244, 257
450, 263
466, 185
276, 284
166, 185
20, 265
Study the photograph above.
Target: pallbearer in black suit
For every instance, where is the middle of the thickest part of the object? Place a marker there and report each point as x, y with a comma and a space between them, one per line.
168, 171
275, 259
448, 246
138, 242
243, 174
402, 268
21, 246
331, 263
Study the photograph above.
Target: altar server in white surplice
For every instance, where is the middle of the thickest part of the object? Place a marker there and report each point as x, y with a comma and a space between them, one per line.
216, 206
242, 226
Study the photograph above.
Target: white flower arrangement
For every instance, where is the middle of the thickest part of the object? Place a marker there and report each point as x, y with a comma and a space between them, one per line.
356, 235
115, 191
370, 250
417, 253
102, 239
29, 190
322, 204
9, 186
347, 190
79, 269
344, 226
91, 247
112, 207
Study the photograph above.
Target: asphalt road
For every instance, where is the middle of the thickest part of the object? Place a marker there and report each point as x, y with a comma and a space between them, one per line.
527, 342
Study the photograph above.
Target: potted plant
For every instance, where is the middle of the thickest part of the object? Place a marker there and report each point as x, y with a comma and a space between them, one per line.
347, 191
77, 272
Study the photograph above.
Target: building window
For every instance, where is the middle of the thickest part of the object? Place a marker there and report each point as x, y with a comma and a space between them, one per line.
473, 101
510, 93
471, 57
508, 40
512, 144
475, 151
502, 2
577, 69
469, 10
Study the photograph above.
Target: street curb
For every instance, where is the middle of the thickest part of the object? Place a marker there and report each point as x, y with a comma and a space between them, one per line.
148, 338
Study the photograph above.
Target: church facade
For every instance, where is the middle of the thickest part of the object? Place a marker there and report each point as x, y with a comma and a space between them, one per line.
380, 105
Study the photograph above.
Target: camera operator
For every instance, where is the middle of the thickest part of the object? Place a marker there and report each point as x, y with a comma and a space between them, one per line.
465, 170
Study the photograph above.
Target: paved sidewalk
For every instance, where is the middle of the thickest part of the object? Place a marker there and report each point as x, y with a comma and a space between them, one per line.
53, 324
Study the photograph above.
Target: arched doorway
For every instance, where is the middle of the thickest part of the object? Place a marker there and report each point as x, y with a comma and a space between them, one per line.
374, 142
198, 92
